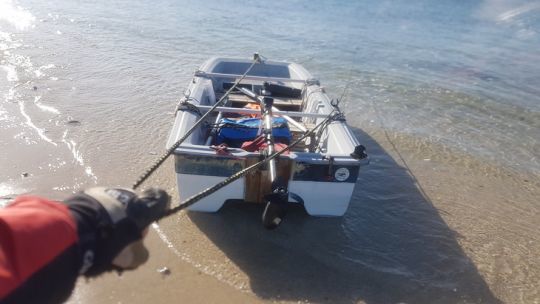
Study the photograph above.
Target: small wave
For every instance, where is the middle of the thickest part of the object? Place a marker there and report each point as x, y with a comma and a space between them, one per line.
72, 146
513, 13
6, 189
47, 66
14, 62
44, 107
15, 15
54, 17
5, 41
10, 95
62, 188
11, 73
39, 71
41, 132
3, 114
5, 37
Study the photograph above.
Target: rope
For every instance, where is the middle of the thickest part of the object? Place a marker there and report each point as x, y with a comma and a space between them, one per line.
402, 159
171, 149
337, 116
208, 191
185, 105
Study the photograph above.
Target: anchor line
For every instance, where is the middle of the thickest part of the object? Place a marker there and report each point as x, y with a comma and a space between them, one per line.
171, 149
334, 115
403, 161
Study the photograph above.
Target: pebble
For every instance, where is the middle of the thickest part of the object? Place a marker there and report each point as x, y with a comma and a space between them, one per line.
74, 122
25, 174
164, 271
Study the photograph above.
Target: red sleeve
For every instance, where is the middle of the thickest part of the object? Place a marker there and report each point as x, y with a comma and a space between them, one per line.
33, 231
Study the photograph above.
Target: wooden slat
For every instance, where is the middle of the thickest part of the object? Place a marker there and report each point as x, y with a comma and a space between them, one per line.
241, 98
252, 111
258, 183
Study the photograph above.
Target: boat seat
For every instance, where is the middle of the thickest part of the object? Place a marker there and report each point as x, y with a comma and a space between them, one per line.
239, 100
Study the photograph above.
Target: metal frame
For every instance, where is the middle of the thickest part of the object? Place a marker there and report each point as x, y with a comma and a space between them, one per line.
252, 111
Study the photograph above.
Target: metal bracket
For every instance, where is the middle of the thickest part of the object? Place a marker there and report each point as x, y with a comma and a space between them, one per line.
199, 73
313, 81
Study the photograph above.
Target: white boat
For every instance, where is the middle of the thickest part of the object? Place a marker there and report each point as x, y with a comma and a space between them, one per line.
320, 173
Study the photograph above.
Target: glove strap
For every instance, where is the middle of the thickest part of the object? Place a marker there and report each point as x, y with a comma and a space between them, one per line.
115, 201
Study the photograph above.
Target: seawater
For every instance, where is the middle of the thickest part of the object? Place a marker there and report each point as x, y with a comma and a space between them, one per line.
462, 74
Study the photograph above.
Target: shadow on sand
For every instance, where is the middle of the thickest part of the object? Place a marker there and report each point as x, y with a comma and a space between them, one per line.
392, 246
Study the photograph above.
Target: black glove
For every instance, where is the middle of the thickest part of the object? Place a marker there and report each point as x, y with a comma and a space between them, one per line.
111, 223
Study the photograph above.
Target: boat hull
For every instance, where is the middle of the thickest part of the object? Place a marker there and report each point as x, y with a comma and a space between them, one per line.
323, 188
320, 172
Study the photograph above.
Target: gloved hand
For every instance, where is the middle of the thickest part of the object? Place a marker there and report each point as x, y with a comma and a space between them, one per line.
111, 223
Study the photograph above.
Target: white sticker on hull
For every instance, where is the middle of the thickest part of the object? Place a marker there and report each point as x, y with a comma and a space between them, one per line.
342, 174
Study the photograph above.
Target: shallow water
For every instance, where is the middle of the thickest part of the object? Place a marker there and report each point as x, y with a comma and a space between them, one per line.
87, 91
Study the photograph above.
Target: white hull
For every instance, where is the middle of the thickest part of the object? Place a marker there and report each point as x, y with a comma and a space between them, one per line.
190, 184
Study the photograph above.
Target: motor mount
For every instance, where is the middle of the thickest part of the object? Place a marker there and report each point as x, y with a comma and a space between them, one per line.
276, 204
